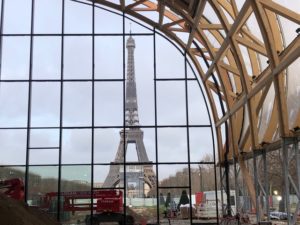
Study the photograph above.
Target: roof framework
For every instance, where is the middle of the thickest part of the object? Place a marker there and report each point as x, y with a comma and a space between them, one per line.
247, 58
240, 52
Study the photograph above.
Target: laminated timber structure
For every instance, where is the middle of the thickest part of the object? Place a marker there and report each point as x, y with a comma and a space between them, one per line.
240, 51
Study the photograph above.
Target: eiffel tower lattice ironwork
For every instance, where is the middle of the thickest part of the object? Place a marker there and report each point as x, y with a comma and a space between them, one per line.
131, 134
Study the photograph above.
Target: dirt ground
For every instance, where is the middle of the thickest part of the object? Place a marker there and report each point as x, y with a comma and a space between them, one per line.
13, 212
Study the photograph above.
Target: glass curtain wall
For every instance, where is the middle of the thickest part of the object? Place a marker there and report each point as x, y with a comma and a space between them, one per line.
64, 67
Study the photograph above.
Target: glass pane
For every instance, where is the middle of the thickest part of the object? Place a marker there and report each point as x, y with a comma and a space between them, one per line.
136, 26
13, 146
76, 193
10, 175
140, 180
13, 104
44, 138
293, 84
174, 206
77, 107
171, 105
198, 114
176, 175
46, 58
101, 22
169, 60
140, 145
201, 144
78, 17
78, 57
42, 180
43, 156
15, 64
172, 145
108, 57
109, 103
140, 197
106, 143
45, 108
108, 176
12, 172
47, 16
76, 178
19, 24
76, 146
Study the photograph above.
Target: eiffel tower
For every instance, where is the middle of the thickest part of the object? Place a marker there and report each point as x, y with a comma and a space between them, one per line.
131, 134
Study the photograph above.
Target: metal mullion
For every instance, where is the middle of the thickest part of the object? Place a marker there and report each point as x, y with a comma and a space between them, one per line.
66, 80
61, 112
174, 187
285, 155
124, 123
175, 79
155, 123
37, 148
107, 127
266, 188
29, 102
93, 111
1, 38
258, 213
188, 135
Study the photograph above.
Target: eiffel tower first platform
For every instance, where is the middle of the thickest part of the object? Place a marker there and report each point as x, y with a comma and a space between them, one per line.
131, 134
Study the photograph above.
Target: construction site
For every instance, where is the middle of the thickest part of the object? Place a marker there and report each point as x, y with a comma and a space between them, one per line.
147, 112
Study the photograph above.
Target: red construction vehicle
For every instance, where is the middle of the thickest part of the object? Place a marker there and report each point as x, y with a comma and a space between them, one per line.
13, 188
107, 204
